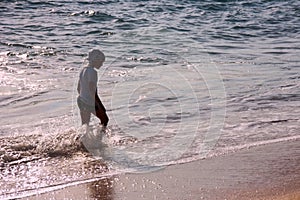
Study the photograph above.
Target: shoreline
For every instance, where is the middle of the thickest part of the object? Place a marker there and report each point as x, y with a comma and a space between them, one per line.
268, 172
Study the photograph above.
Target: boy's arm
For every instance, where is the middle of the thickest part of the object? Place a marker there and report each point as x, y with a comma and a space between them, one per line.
92, 87
78, 87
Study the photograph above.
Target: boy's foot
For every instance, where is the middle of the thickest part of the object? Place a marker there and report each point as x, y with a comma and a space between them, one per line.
105, 130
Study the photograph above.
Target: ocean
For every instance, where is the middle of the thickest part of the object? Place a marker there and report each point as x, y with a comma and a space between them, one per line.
182, 81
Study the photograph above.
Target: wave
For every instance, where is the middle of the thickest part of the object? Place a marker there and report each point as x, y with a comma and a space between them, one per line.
36, 50
39, 162
45, 163
25, 148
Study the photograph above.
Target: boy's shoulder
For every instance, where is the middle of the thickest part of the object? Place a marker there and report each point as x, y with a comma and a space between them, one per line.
89, 70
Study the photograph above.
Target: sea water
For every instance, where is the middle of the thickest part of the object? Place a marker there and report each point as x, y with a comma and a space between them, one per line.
182, 80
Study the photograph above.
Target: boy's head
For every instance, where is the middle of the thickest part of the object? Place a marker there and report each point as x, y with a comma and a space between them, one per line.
96, 58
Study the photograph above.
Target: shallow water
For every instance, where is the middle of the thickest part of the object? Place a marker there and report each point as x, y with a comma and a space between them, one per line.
183, 80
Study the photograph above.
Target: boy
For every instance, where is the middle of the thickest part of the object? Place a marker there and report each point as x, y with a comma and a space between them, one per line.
88, 100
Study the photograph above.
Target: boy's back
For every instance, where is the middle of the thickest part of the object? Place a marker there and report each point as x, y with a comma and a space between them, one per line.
88, 75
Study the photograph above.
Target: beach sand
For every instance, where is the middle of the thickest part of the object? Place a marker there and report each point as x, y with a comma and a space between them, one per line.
264, 172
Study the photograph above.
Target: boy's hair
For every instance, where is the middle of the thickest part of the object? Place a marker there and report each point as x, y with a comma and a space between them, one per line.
96, 54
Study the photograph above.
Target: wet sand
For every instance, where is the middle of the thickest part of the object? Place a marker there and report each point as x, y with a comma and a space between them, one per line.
265, 172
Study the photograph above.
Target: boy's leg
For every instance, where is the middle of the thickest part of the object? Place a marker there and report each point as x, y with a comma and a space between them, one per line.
84, 113
85, 117
101, 113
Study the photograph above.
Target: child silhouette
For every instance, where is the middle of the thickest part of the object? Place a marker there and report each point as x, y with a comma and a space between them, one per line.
88, 100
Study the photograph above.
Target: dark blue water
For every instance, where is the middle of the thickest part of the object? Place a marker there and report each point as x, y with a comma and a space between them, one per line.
182, 80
